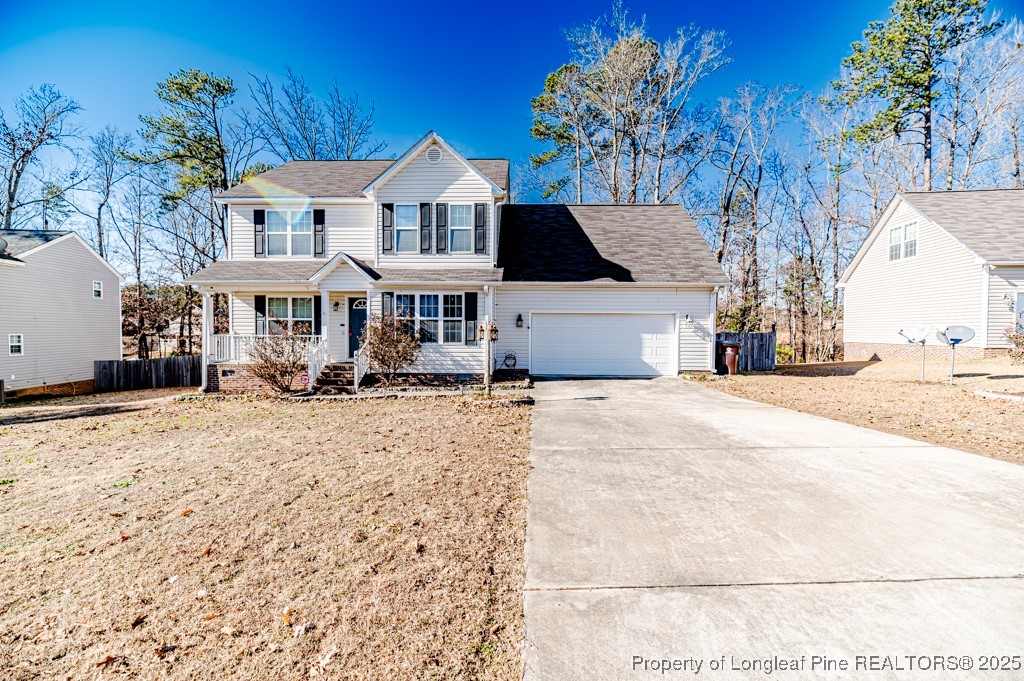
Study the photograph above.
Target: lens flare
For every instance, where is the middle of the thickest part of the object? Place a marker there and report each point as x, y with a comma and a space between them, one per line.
279, 197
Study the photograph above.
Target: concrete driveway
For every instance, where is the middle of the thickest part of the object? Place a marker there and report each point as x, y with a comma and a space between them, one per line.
672, 525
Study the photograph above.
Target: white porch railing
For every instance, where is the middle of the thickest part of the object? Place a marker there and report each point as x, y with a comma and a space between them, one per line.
318, 357
360, 366
238, 347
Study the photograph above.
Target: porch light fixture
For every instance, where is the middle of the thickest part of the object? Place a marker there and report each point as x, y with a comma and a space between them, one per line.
519, 321
336, 303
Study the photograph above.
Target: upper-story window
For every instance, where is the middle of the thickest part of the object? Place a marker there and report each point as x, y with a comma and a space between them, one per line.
903, 241
460, 229
97, 289
290, 232
406, 229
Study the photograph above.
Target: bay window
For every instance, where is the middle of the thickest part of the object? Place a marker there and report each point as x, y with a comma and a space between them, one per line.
290, 232
407, 229
460, 229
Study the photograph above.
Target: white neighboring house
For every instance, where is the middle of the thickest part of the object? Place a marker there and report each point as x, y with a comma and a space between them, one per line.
937, 258
60, 310
573, 290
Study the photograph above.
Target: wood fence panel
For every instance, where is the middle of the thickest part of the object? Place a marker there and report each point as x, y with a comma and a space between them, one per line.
757, 350
141, 374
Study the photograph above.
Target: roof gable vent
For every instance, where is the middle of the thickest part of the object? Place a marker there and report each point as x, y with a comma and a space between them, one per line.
434, 155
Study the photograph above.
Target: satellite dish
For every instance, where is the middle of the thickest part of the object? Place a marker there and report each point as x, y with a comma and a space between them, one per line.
3, 244
955, 335
916, 334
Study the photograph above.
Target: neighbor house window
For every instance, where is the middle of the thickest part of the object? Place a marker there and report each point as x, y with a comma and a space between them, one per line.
434, 317
15, 344
294, 314
406, 229
903, 241
97, 289
290, 232
460, 229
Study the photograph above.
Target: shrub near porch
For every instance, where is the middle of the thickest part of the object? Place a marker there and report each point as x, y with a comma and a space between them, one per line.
261, 539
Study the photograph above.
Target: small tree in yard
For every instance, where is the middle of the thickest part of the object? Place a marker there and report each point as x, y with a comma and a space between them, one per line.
277, 359
1015, 334
390, 346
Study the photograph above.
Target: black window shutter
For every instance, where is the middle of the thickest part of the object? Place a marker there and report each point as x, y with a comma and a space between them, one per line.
259, 221
387, 304
425, 228
260, 303
387, 227
317, 319
319, 233
470, 304
442, 228
479, 226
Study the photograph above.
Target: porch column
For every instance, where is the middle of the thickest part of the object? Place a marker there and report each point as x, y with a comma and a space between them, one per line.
207, 337
325, 320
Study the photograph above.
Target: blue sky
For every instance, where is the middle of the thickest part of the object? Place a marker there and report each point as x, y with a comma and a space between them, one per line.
466, 70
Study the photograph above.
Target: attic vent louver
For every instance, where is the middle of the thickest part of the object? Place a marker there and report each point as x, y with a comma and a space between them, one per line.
434, 155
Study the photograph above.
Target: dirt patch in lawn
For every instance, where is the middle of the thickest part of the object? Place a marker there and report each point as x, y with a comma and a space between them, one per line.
258, 539
886, 396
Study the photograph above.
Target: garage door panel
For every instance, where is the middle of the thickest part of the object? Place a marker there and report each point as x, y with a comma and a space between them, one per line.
603, 344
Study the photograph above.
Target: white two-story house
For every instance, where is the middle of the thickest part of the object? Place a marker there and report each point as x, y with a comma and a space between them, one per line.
432, 237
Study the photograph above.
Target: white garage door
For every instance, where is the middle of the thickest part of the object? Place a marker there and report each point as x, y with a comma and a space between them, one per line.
603, 345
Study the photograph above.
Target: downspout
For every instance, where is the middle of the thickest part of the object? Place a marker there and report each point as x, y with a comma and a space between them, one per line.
714, 326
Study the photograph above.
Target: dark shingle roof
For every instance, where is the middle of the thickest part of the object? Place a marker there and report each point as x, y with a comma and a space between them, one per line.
336, 178
635, 243
225, 271
22, 240
989, 221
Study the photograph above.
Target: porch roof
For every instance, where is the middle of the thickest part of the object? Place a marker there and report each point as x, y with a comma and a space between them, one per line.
455, 274
257, 271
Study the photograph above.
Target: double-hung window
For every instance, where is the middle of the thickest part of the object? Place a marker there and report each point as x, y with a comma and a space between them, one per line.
15, 344
903, 241
406, 229
97, 289
460, 229
294, 314
290, 232
433, 317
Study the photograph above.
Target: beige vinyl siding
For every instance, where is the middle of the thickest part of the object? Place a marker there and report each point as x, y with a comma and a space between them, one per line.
443, 358
1004, 285
939, 286
694, 341
349, 230
243, 313
446, 182
50, 303
344, 278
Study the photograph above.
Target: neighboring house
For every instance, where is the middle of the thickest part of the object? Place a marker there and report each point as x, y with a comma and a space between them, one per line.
60, 310
937, 258
572, 290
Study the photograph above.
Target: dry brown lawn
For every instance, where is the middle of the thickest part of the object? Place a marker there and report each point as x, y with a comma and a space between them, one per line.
887, 396
256, 539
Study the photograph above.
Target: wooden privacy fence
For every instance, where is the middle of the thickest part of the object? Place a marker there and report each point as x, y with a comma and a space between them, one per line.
757, 350
139, 374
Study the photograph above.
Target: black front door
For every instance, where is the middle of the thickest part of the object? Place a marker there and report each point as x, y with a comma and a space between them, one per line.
356, 321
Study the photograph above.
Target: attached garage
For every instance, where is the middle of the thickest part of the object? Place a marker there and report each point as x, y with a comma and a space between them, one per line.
605, 344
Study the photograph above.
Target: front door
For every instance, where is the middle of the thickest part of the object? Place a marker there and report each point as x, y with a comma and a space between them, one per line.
356, 321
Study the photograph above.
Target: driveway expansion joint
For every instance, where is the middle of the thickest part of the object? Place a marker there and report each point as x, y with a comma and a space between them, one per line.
727, 585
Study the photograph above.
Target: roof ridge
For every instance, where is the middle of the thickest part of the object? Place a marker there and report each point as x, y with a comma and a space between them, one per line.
940, 192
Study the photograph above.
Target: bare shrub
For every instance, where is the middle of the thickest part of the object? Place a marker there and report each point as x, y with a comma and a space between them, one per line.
277, 359
1015, 335
390, 346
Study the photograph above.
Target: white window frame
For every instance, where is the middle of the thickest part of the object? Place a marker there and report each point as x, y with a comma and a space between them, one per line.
898, 249
292, 218
291, 319
415, 318
20, 344
414, 228
452, 228
97, 287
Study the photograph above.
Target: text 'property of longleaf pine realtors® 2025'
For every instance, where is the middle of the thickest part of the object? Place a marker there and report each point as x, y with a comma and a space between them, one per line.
867, 663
